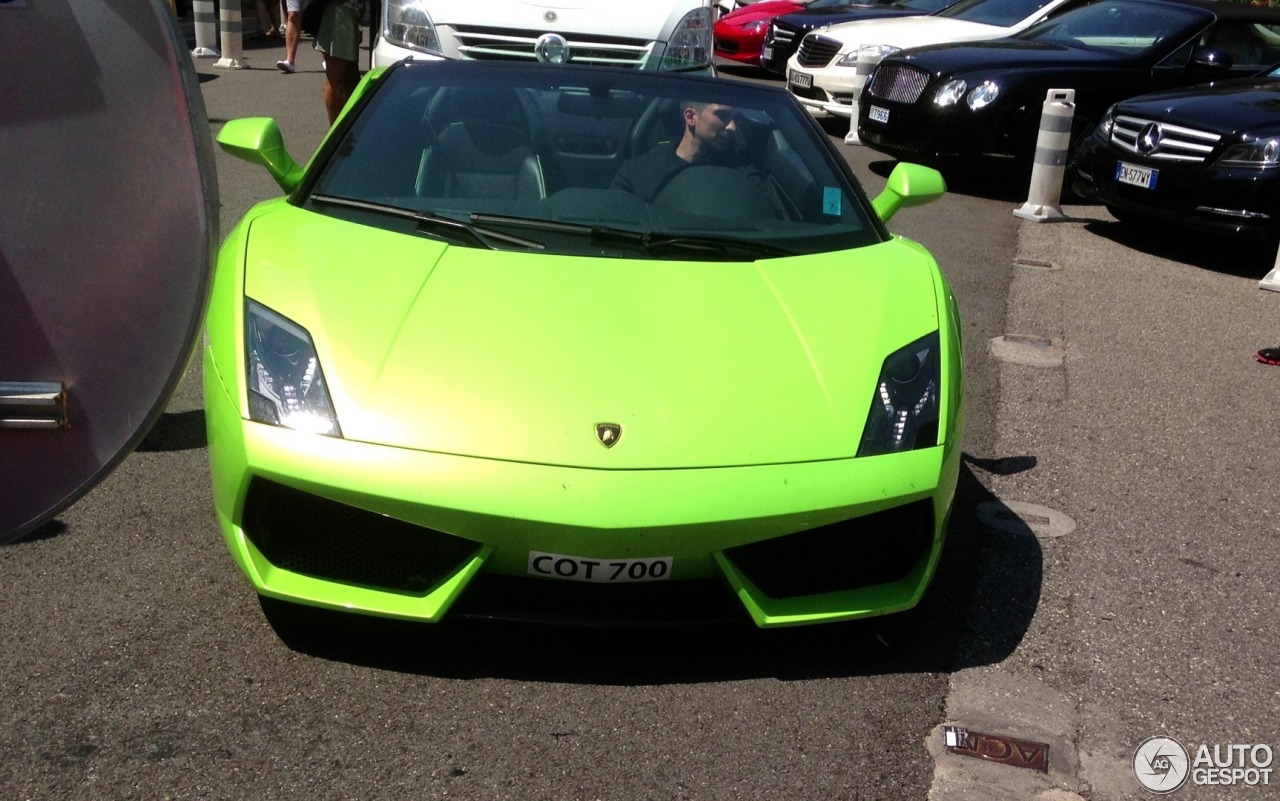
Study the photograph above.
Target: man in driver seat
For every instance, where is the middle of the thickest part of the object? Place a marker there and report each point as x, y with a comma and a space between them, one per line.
709, 137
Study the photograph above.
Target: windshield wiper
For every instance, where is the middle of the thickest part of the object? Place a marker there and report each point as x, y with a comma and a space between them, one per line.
712, 244
647, 241
438, 224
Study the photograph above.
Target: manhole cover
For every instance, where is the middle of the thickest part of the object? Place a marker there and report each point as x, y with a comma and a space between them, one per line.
1028, 350
1015, 517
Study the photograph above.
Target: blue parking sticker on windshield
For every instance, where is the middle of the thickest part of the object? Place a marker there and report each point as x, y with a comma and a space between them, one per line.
831, 201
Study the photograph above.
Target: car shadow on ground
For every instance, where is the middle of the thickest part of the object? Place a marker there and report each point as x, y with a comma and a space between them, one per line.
1245, 258
177, 431
45, 531
994, 181
977, 610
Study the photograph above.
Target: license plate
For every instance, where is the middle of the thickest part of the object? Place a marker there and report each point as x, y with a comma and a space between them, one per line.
766, 53
878, 114
600, 571
1133, 175
801, 80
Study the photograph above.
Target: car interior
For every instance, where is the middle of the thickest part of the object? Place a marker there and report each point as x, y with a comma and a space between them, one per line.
552, 153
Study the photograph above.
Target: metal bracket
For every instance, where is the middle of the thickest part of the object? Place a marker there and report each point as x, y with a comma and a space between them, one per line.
33, 404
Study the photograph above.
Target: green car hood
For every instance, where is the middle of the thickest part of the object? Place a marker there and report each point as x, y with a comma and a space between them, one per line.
518, 356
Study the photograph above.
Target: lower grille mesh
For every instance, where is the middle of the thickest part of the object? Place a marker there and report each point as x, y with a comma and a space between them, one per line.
317, 537
899, 84
862, 552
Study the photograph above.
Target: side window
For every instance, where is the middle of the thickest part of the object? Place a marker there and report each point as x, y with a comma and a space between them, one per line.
1181, 57
1067, 6
1248, 44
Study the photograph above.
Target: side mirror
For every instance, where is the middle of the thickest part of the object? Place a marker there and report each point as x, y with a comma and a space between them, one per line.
908, 185
257, 140
1209, 59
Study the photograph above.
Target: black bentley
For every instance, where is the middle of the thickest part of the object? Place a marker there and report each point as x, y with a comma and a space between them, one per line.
948, 103
786, 31
1207, 158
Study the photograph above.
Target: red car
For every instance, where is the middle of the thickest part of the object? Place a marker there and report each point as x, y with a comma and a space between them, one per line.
740, 33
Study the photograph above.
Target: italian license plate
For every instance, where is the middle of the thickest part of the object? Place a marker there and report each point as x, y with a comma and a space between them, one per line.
801, 80
878, 114
600, 571
1133, 175
766, 53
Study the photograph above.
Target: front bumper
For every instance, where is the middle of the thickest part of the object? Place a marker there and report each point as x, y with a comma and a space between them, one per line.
739, 47
794, 544
1223, 201
923, 131
831, 92
776, 51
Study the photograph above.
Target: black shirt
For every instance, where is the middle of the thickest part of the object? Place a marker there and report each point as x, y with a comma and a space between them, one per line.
644, 176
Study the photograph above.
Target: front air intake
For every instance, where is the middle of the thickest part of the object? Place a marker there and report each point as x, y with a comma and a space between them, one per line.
315, 536
851, 554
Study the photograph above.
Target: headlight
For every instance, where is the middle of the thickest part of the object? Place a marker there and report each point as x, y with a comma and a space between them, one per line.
409, 25
950, 93
904, 411
286, 384
876, 52
984, 95
1108, 122
1260, 153
850, 59
690, 44
757, 26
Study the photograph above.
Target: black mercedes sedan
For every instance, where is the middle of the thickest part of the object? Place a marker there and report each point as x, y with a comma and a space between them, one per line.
956, 104
1206, 158
785, 32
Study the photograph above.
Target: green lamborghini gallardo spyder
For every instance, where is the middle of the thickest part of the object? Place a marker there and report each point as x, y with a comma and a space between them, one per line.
575, 343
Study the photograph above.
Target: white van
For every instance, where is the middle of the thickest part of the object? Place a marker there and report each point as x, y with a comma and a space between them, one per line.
645, 34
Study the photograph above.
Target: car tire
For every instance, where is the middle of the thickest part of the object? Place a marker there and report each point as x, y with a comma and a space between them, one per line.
1081, 129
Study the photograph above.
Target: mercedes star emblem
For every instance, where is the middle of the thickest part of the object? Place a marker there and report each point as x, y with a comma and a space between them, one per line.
551, 48
1149, 139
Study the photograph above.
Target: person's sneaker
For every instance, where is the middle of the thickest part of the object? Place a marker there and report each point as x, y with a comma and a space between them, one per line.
285, 66
1269, 356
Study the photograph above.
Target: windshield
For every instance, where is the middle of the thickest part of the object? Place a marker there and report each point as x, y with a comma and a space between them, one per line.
587, 161
1119, 27
1001, 13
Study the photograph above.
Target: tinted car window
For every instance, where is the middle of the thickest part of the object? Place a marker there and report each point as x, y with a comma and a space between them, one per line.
1123, 27
838, 3
1248, 44
926, 6
994, 12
